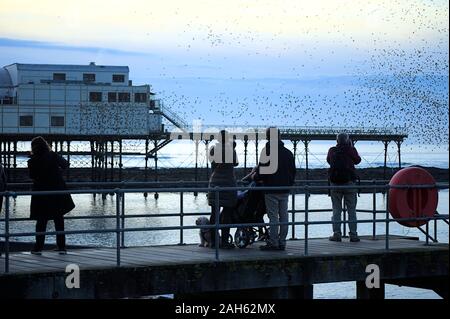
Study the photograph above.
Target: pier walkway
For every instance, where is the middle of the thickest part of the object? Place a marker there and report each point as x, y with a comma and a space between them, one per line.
188, 271
184, 270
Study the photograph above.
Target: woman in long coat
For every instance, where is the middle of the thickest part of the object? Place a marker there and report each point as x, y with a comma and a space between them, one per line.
223, 176
45, 170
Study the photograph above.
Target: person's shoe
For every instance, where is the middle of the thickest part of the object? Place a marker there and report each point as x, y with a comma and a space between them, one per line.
354, 238
335, 237
60, 251
269, 247
36, 252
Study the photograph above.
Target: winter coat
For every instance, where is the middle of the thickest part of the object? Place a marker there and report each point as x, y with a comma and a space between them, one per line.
285, 172
352, 157
223, 176
45, 171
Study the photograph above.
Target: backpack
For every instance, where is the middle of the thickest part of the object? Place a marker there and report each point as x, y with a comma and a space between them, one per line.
340, 172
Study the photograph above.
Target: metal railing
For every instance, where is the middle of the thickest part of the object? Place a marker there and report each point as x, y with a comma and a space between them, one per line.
307, 190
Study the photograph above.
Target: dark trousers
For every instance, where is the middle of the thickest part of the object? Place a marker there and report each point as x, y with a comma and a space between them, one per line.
224, 218
41, 226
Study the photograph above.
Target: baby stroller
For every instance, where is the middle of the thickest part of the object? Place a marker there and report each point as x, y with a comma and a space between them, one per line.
250, 208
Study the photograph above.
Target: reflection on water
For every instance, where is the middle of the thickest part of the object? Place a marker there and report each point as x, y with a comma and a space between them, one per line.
89, 205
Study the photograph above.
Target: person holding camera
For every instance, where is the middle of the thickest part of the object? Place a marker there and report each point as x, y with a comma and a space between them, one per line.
342, 159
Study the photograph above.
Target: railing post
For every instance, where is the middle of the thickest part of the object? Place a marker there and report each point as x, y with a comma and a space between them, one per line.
181, 218
293, 215
387, 219
374, 203
118, 228
122, 213
217, 215
7, 232
306, 218
344, 217
427, 229
435, 229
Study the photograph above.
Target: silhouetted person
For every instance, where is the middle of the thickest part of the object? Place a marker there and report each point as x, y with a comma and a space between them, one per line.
276, 200
223, 176
342, 159
45, 170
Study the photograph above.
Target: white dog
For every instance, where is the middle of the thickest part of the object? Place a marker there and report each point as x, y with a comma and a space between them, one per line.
205, 233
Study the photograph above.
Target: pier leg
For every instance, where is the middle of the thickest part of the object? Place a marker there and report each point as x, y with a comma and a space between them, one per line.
306, 160
386, 143
120, 160
207, 159
245, 154
68, 160
294, 143
196, 163
256, 148
15, 162
155, 143
9, 162
105, 161
146, 164
399, 143
362, 292
112, 161
92, 160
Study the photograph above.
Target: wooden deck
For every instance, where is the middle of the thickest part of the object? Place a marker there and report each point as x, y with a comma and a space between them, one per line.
190, 264
88, 258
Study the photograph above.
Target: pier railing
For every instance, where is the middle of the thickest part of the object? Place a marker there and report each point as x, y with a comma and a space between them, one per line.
307, 190
298, 130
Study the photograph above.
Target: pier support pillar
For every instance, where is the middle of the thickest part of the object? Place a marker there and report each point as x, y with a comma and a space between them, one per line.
196, 164
399, 143
207, 159
14, 175
386, 143
294, 143
68, 160
105, 161
112, 161
362, 292
245, 153
120, 160
146, 163
256, 147
306, 142
9, 162
155, 143
92, 160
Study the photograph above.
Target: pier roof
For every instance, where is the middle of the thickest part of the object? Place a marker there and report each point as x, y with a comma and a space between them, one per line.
69, 67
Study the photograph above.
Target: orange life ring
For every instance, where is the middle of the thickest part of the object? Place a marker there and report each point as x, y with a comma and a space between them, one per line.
412, 202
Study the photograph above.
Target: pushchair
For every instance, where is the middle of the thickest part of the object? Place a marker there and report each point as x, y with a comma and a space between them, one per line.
250, 208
